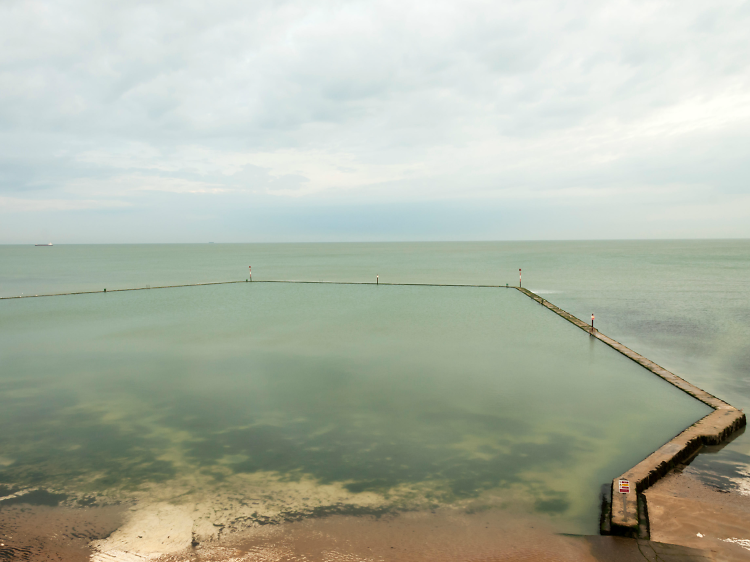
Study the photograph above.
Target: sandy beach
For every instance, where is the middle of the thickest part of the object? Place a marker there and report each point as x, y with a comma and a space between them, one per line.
162, 533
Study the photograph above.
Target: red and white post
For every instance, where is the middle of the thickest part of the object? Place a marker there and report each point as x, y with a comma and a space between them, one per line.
592, 320
519, 277
250, 267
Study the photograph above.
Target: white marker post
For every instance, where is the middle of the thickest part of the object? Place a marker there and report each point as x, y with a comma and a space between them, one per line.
519, 276
377, 279
250, 267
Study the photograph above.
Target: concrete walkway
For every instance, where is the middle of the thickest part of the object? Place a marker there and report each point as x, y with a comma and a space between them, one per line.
629, 514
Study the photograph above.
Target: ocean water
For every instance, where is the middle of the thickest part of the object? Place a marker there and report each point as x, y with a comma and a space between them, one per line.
298, 399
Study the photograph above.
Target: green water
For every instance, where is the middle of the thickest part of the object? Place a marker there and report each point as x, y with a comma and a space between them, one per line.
414, 396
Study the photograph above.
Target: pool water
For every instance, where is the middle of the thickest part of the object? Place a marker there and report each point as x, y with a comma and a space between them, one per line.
281, 401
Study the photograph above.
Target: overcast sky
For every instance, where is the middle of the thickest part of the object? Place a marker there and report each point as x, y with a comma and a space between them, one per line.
425, 120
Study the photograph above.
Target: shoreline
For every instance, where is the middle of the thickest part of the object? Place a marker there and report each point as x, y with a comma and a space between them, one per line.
163, 534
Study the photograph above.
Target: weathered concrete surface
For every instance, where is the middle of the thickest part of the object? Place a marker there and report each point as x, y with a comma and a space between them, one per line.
711, 430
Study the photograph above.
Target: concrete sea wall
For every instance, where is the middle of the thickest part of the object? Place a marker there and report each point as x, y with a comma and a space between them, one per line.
627, 513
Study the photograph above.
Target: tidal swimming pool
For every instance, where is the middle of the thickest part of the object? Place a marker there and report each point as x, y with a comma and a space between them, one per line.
279, 401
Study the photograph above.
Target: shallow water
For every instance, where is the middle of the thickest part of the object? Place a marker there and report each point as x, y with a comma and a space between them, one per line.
310, 399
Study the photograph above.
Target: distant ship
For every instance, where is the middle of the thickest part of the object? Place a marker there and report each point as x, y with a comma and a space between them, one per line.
50, 244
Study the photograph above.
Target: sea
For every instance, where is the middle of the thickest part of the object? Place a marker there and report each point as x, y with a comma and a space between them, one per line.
266, 403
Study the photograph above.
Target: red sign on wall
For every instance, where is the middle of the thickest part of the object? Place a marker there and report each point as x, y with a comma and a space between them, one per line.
624, 486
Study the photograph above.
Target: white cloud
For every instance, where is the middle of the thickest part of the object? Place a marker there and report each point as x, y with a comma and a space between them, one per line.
124, 185
381, 102
23, 205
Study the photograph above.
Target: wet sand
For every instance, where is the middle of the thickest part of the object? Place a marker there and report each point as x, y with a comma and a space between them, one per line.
66, 534
33, 532
444, 535
683, 510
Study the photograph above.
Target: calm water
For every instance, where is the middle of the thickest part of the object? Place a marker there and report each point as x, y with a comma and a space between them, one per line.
371, 396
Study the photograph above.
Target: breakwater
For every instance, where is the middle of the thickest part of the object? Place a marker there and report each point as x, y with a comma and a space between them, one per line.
148, 287
627, 513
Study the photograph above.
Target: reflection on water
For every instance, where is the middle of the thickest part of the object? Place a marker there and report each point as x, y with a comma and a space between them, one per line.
271, 402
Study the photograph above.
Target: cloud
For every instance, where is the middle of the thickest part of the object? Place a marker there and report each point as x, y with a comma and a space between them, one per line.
24, 205
122, 185
375, 103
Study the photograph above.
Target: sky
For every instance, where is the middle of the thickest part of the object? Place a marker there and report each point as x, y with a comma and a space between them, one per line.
273, 120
